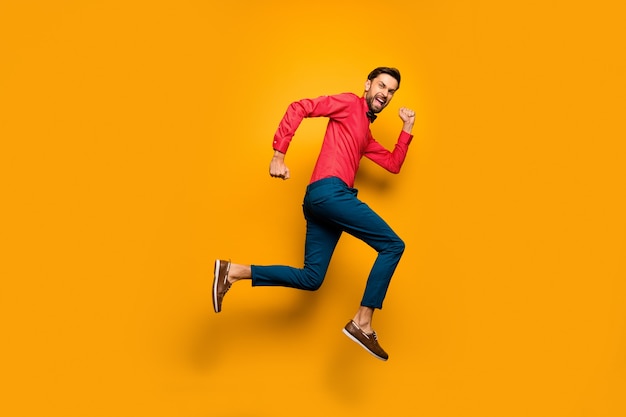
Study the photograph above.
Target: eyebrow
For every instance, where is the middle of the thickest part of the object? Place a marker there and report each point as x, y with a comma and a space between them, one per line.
385, 85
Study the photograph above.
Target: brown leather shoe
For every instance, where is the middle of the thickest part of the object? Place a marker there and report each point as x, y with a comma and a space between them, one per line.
220, 283
368, 341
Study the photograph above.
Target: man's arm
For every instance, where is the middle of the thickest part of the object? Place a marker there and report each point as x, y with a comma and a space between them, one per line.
324, 106
392, 161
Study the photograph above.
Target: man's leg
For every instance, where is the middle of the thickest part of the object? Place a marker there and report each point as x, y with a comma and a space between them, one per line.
340, 207
320, 243
370, 228
351, 215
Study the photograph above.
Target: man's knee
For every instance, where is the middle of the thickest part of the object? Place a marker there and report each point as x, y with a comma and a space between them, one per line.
311, 285
397, 246
311, 281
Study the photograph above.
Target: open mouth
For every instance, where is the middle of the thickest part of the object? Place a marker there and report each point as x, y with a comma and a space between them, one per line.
380, 101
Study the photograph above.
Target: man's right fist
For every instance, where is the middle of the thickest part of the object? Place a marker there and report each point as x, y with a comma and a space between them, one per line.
278, 169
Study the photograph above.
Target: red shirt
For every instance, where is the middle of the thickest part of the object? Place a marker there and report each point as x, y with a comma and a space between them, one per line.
348, 137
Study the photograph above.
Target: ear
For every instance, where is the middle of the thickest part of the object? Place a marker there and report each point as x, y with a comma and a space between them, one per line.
368, 84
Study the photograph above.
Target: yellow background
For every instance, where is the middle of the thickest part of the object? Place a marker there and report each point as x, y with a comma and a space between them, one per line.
135, 143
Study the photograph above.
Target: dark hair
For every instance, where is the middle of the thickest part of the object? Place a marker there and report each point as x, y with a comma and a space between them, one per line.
385, 70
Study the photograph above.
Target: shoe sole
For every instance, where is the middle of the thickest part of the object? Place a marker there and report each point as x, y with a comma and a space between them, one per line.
216, 277
347, 333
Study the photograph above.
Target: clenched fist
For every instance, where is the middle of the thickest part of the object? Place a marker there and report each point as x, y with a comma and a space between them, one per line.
278, 169
408, 117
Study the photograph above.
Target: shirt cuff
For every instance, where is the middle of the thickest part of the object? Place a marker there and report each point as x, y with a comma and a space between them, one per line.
280, 145
405, 137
